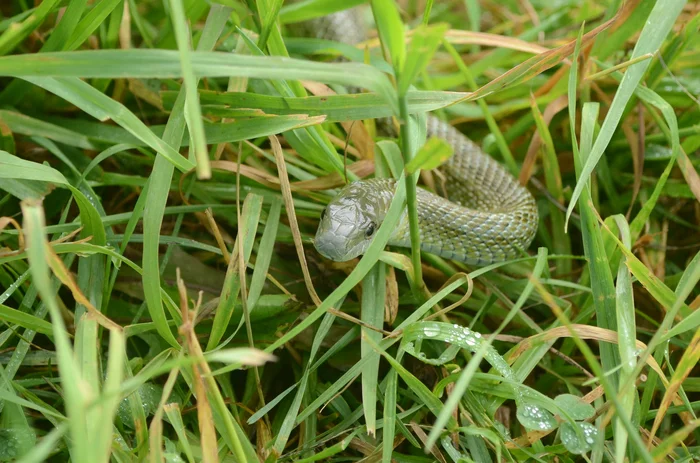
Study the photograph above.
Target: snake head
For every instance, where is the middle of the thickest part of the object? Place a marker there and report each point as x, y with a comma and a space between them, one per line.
349, 222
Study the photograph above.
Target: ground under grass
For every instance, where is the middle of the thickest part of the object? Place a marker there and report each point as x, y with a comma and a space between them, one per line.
162, 174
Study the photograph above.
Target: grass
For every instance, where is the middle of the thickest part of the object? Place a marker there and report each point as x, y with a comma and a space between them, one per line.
163, 166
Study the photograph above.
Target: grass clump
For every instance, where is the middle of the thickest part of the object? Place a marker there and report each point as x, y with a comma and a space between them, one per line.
163, 166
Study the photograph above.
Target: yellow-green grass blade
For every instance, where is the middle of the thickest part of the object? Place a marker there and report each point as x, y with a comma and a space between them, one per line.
594, 249
73, 390
13, 36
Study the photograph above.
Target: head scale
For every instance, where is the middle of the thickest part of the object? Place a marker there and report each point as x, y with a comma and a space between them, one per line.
350, 221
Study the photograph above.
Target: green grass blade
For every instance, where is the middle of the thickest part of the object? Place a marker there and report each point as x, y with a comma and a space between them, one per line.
193, 113
13, 36
98, 105
250, 217
372, 314
25, 320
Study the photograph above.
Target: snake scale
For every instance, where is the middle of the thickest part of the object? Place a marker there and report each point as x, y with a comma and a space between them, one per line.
487, 216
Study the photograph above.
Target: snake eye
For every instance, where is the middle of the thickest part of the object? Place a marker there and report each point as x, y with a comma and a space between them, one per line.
370, 230
323, 213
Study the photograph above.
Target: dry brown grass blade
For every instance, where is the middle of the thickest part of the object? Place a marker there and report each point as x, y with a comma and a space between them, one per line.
690, 358
291, 216
125, 28
4, 222
434, 451
66, 277
546, 60
332, 180
344, 145
531, 157
547, 87
470, 287
690, 174
391, 303
217, 234
462, 37
586, 332
665, 449
252, 173
199, 370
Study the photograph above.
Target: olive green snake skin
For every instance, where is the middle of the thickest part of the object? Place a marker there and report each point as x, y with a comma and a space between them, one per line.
487, 217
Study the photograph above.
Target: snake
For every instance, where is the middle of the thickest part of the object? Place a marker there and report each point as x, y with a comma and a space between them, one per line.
486, 216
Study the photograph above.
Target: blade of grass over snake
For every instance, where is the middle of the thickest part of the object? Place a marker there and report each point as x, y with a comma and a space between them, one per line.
368, 260
493, 126
425, 41
144, 63
335, 108
664, 15
391, 31
391, 34
372, 313
193, 114
310, 9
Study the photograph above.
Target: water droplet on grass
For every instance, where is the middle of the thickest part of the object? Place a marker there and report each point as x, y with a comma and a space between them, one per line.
536, 418
578, 443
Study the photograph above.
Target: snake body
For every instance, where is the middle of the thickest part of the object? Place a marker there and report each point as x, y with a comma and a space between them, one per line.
486, 217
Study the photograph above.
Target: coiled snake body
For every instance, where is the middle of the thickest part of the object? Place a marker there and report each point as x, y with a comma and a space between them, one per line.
487, 216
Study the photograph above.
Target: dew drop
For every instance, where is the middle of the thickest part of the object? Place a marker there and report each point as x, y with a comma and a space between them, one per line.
431, 331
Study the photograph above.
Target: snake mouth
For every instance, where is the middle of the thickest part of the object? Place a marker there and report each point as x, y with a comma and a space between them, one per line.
336, 248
